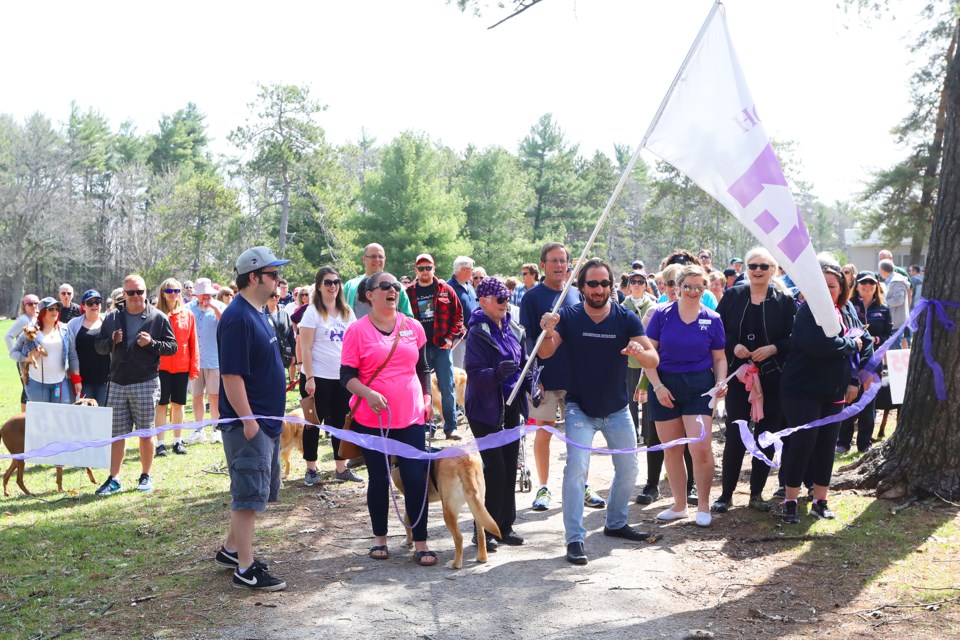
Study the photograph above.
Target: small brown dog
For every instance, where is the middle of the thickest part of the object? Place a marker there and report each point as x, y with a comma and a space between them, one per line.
459, 481
31, 360
13, 435
459, 389
291, 437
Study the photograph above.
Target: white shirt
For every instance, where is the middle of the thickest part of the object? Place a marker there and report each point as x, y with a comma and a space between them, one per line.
51, 368
327, 342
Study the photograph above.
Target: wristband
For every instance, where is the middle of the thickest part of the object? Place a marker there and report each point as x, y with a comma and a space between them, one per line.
657, 387
75, 378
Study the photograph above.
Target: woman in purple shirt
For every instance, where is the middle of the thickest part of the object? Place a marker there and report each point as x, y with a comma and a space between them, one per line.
690, 340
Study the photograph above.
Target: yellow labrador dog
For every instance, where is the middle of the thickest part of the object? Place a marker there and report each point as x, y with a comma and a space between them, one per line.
459, 389
454, 483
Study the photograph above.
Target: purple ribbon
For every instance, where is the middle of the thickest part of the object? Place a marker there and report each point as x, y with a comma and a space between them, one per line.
767, 438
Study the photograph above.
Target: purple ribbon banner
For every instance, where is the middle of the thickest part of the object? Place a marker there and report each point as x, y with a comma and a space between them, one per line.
766, 438
376, 443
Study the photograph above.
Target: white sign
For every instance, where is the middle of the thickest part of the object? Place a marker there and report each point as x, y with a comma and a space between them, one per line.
48, 423
898, 363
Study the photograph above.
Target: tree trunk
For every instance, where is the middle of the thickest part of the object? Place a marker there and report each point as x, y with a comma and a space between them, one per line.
923, 456
284, 216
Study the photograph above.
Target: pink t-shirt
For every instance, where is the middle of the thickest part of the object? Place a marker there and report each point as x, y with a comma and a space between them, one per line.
365, 348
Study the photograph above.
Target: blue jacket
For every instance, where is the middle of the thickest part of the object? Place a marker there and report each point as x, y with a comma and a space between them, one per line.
487, 346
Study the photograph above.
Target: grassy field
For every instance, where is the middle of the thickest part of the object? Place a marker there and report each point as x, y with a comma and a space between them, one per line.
139, 565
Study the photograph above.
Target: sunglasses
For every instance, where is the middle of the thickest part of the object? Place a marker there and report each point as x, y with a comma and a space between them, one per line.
94, 302
670, 283
694, 288
66, 293
331, 283
526, 273
171, 290
499, 299
134, 292
273, 274
30, 304
593, 284
304, 295
426, 267
274, 295
637, 281
762, 267
386, 286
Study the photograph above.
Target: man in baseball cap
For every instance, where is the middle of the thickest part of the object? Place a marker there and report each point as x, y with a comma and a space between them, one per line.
257, 259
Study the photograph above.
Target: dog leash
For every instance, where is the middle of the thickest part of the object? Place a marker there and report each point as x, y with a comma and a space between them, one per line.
393, 490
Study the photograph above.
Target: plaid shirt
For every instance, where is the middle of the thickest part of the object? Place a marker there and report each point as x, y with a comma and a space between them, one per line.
447, 312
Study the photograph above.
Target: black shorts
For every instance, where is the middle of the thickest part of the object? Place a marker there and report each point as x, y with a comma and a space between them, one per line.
173, 387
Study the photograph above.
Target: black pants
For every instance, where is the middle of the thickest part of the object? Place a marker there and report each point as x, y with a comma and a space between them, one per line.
655, 458
500, 471
864, 422
814, 447
333, 403
738, 408
412, 474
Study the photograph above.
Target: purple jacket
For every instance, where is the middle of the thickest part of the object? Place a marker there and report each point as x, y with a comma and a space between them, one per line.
487, 346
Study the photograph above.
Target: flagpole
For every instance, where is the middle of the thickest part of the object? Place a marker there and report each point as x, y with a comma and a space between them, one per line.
616, 192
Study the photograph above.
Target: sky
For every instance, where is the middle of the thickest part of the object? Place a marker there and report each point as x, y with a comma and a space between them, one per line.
834, 84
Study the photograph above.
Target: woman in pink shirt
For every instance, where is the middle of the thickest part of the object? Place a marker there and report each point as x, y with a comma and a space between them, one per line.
396, 404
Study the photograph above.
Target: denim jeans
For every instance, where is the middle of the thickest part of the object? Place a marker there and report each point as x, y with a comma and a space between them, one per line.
441, 362
96, 390
618, 430
46, 392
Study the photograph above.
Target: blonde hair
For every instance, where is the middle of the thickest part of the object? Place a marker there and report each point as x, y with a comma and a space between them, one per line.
169, 283
691, 271
762, 251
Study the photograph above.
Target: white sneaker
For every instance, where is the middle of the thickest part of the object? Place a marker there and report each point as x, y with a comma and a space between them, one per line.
216, 437
670, 514
703, 519
195, 437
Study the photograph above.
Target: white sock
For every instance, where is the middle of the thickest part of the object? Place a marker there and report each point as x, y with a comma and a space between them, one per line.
177, 440
543, 486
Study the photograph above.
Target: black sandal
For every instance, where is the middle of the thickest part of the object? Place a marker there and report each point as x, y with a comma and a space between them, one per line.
382, 548
420, 555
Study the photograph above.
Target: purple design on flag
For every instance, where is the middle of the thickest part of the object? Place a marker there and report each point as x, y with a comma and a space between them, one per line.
764, 171
766, 221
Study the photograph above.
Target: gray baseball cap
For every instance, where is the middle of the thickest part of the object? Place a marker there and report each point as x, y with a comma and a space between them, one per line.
257, 258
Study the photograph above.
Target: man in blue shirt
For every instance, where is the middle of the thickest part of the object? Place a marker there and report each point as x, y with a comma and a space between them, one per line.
599, 335
252, 382
206, 312
461, 281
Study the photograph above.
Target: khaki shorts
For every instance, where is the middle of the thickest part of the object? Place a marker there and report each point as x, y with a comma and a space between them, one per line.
547, 411
208, 382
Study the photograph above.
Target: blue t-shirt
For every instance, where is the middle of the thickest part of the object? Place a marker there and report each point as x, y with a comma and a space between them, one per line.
599, 371
685, 348
206, 321
248, 347
534, 304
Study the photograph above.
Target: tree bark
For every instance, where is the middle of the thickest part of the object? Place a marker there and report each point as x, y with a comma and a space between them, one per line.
922, 457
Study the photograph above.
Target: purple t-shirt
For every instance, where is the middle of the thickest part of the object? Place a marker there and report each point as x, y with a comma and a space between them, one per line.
685, 348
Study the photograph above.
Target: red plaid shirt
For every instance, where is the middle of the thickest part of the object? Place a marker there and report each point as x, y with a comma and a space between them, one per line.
447, 312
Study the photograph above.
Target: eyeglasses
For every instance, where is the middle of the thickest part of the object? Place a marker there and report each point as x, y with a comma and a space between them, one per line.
376, 257
426, 267
134, 292
273, 274
304, 295
93, 302
762, 267
593, 284
694, 288
637, 281
670, 283
171, 290
477, 278
499, 299
331, 283
386, 286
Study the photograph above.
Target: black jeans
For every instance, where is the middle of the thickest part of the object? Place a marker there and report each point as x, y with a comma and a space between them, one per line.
814, 447
864, 422
500, 471
412, 474
333, 402
738, 408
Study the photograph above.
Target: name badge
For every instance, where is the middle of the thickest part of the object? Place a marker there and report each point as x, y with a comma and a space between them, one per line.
406, 333
706, 321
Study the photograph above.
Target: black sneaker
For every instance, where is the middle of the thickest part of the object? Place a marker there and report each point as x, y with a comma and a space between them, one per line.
649, 495
720, 506
161, 451
179, 448
492, 543
227, 559
576, 554
788, 512
781, 493
692, 497
820, 510
256, 578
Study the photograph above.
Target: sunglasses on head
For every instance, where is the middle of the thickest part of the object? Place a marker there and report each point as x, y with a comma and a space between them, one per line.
425, 267
763, 267
593, 284
171, 290
386, 286
134, 292
332, 283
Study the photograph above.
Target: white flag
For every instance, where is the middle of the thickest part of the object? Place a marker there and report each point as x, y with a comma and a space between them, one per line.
710, 129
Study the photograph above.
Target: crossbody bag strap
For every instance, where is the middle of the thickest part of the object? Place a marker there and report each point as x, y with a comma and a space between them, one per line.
393, 348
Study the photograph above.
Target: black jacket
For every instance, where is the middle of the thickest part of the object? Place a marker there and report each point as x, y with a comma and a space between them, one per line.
878, 317
286, 339
779, 310
136, 364
820, 367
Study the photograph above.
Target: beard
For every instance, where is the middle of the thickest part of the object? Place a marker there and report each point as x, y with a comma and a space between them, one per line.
593, 304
